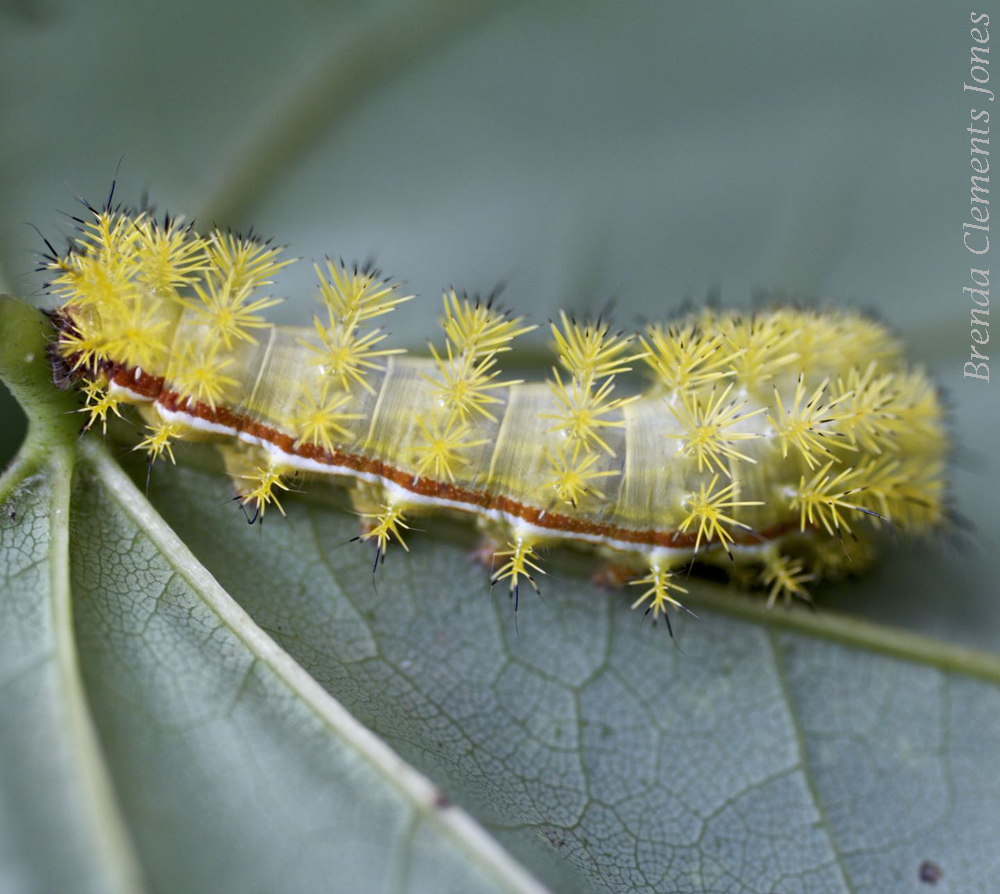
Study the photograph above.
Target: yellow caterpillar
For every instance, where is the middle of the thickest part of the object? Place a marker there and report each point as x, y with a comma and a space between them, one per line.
760, 443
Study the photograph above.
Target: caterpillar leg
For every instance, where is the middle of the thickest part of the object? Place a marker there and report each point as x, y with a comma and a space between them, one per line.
613, 575
485, 552
366, 502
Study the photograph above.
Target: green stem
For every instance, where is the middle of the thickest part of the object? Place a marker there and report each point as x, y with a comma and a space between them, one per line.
25, 334
850, 631
359, 61
108, 833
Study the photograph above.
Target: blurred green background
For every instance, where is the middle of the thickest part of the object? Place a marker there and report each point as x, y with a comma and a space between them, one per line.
650, 152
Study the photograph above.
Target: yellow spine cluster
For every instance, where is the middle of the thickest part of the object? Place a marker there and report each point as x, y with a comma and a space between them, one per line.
126, 282
200, 372
464, 382
99, 402
592, 356
385, 526
246, 263
660, 586
347, 352
865, 433
573, 475
225, 310
786, 577
443, 445
806, 426
707, 422
520, 562
468, 371
706, 508
821, 500
868, 415
265, 483
159, 440
905, 492
113, 278
319, 419
683, 357
759, 347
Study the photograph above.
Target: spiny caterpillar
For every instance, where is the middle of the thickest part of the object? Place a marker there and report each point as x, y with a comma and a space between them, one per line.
764, 443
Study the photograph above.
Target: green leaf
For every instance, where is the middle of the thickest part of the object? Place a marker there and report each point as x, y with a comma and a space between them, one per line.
323, 728
152, 730
577, 152
748, 756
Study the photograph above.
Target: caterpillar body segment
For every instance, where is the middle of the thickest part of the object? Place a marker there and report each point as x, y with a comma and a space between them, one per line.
761, 441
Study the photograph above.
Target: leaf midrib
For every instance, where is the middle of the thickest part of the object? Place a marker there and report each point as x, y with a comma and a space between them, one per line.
424, 796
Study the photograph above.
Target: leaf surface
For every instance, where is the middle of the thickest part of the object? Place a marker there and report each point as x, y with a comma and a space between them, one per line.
749, 758
231, 768
154, 736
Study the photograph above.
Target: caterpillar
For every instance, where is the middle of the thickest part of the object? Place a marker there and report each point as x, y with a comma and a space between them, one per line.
770, 444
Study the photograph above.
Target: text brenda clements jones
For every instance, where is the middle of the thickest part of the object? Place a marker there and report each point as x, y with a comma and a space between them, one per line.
976, 235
